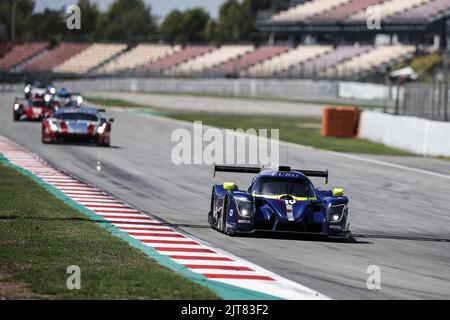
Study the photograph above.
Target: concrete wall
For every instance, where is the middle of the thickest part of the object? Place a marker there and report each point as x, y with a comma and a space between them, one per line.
337, 91
420, 136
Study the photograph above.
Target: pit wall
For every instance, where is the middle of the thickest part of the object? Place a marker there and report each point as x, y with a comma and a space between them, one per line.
419, 136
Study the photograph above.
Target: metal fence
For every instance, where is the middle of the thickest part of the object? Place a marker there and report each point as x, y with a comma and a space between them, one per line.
429, 100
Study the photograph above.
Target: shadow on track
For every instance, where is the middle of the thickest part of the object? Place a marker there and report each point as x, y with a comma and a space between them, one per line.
400, 237
83, 144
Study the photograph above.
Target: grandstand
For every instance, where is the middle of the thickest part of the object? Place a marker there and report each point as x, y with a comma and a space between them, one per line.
210, 60
364, 63
180, 57
427, 12
55, 57
345, 22
389, 8
346, 10
285, 61
21, 53
90, 58
137, 57
308, 10
233, 67
335, 57
5, 47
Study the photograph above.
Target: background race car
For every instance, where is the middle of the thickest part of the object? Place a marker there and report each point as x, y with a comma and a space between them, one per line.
283, 200
32, 109
77, 124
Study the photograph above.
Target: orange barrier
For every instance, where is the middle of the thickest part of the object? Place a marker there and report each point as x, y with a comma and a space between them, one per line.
340, 122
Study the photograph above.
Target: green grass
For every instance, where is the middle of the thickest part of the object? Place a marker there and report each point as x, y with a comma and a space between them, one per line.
304, 131
107, 102
113, 102
40, 236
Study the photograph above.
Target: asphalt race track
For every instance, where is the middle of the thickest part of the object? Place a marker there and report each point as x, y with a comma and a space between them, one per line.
399, 213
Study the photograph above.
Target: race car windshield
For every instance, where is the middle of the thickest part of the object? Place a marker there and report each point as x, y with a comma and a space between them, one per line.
37, 104
77, 116
281, 186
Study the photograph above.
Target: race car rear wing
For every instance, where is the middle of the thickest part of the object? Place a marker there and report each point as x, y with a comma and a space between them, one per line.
256, 170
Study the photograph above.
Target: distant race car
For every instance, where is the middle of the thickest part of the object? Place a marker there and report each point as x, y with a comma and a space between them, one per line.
38, 89
283, 200
66, 99
77, 124
33, 109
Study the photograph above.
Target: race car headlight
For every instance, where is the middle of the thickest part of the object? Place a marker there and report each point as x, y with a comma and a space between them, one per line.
245, 208
101, 129
53, 126
16, 106
336, 213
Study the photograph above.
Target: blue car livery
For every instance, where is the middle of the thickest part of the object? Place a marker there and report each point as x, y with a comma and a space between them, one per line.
283, 200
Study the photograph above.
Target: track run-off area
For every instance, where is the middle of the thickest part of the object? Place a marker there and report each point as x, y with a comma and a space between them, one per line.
399, 207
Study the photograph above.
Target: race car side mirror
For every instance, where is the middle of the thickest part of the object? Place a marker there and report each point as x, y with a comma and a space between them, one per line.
229, 186
111, 120
338, 192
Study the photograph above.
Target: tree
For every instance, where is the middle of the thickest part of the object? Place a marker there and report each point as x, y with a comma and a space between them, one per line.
194, 23
49, 23
171, 28
24, 23
89, 17
126, 20
187, 26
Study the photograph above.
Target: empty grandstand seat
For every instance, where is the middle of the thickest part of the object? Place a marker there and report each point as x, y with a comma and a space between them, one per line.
308, 10
169, 62
286, 60
347, 9
332, 58
90, 58
56, 57
5, 47
139, 56
211, 59
21, 53
366, 62
424, 12
242, 63
389, 8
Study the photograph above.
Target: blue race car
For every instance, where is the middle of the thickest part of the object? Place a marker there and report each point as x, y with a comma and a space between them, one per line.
283, 200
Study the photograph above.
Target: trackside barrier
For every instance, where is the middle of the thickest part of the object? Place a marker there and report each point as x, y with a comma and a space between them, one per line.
340, 122
420, 136
270, 88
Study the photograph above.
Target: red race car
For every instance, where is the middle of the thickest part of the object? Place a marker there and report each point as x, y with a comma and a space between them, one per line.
33, 109
77, 124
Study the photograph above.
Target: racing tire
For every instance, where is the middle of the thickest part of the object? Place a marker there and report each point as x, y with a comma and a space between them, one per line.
211, 210
16, 116
224, 229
